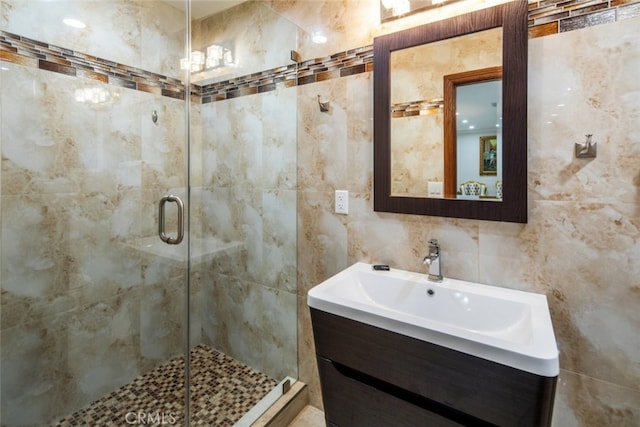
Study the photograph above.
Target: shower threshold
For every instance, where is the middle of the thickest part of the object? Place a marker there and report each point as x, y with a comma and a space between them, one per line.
222, 391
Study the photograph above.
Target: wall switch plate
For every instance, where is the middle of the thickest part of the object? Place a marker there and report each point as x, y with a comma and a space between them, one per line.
342, 202
434, 189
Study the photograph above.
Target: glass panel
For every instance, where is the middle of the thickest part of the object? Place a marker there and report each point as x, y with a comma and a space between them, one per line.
94, 128
92, 300
243, 190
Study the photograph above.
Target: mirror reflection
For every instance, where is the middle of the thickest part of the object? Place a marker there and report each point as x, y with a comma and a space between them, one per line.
419, 164
403, 149
478, 120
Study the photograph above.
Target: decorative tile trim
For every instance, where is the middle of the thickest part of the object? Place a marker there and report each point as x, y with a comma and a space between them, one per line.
35, 54
342, 64
417, 108
547, 17
260, 82
32, 53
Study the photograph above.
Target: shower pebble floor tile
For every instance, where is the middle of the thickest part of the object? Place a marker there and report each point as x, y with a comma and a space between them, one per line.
222, 391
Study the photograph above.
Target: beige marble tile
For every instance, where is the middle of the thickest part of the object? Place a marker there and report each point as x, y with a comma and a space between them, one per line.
279, 240
585, 401
309, 417
414, 165
279, 337
591, 288
322, 240
73, 194
355, 23
253, 324
23, 368
233, 323
307, 365
589, 88
583, 214
418, 71
163, 144
162, 38
142, 34
359, 110
259, 39
579, 247
322, 158
279, 139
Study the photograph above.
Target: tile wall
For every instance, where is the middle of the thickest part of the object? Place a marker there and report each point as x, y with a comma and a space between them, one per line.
583, 214
85, 308
553, 16
89, 299
246, 191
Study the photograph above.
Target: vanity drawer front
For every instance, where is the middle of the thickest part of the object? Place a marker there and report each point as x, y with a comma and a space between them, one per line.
350, 403
485, 390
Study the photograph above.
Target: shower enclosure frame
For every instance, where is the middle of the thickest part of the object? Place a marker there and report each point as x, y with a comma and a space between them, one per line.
83, 127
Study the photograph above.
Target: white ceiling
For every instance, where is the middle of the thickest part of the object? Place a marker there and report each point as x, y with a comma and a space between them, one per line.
480, 104
203, 8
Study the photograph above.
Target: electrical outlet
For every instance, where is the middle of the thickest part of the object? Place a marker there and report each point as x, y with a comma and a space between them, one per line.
342, 202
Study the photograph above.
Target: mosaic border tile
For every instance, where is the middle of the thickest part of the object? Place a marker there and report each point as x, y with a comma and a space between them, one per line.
32, 53
417, 108
546, 17
342, 64
260, 82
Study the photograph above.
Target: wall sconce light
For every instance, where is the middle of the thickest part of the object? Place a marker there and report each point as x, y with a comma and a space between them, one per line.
318, 37
216, 56
95, 95
394, 9
194, 63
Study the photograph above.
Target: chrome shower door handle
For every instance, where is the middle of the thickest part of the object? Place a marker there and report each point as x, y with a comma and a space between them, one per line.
161, 219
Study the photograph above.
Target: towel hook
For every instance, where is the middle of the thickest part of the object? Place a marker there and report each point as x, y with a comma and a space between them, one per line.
324, 105
586, 150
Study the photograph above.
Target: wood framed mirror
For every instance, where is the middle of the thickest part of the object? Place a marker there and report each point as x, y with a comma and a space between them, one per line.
510, 19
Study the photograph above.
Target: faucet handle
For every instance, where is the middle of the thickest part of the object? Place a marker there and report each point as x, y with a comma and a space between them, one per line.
434, 247
434, 252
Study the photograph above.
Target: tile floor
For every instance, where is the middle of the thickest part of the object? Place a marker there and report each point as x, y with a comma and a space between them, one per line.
222, 390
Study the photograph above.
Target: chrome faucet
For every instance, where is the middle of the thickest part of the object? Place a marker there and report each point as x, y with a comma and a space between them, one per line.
433, 260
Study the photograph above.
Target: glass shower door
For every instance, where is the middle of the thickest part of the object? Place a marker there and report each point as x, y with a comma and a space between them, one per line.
93, 127
107, 317
243, 202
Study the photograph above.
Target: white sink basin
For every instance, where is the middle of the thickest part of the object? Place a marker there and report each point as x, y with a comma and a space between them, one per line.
506, 326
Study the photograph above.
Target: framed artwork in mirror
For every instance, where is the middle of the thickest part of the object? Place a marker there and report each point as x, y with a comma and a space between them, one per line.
489, 155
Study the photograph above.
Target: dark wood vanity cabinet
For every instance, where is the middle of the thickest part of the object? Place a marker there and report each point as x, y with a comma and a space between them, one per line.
372, 377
